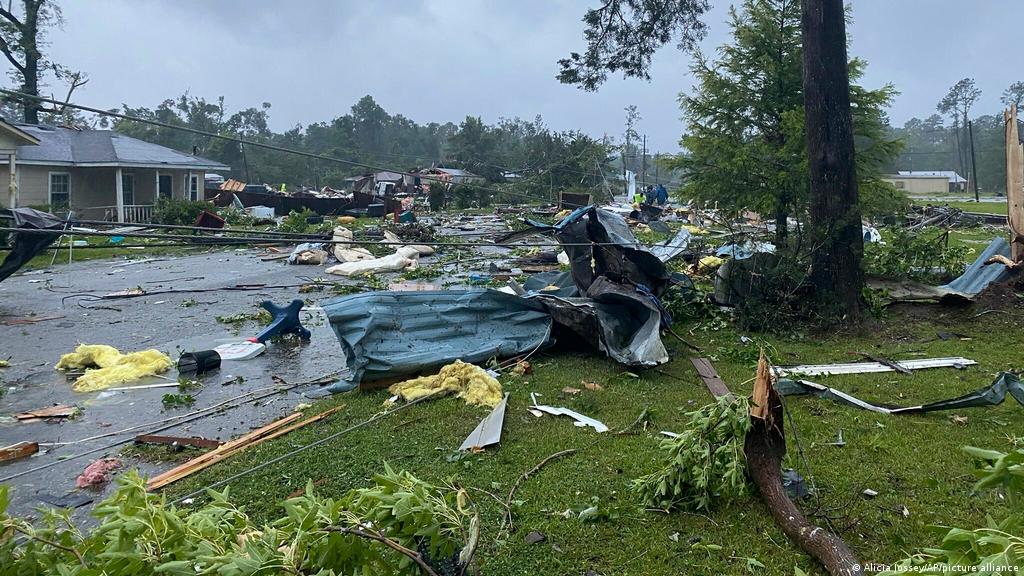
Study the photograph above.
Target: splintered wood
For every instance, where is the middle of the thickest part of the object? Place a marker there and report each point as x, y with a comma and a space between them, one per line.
1014, 184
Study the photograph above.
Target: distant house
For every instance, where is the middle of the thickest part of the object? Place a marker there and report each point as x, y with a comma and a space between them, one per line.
98, 174
927, 182
453, 175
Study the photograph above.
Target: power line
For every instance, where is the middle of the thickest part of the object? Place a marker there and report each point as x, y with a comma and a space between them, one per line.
254, 143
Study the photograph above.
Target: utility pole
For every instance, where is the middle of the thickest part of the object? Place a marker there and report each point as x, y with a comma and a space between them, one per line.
643, 164
974, 164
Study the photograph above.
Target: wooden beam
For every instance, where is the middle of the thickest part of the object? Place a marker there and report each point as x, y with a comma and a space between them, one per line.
1014, 184
710, 377
19, 450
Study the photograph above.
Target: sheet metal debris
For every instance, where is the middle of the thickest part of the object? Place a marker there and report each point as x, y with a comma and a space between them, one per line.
991, 395
581, 420
871, 367
488, 431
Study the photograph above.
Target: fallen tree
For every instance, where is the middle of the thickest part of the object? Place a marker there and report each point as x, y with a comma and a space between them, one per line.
764, 447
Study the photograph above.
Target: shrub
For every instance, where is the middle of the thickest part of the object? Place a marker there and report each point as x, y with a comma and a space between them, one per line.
298, 222
139, 533
921, 256
178, 212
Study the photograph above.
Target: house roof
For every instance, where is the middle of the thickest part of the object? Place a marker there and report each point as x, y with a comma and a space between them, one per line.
72, 147
949, 175
20, 136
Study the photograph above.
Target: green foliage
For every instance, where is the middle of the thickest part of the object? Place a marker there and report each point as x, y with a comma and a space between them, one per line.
179, 212
139, 533
171, 401
297, 222
705, 463
920, 256
995, 548
234, 217
745, 138
471, 196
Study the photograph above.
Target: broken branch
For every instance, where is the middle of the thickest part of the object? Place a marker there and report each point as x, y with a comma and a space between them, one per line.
526, 476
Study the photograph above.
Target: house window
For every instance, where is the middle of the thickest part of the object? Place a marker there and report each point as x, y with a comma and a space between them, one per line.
164, 185
128, 189
193, 187
60, 190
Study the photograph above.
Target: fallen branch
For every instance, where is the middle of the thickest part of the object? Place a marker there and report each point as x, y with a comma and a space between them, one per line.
377, 537
639, 419
764, 447
526, 476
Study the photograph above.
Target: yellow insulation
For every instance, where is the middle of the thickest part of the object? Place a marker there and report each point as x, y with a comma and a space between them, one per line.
471, 383
106, 366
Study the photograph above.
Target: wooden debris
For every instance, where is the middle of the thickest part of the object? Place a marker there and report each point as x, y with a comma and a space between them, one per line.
764, 447
195, 442
19, 450
58, 411
710, 377
268, 432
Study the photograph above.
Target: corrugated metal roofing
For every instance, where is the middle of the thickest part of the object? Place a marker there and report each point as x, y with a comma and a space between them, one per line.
70, 146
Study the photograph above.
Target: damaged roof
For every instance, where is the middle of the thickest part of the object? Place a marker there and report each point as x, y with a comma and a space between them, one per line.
73, 147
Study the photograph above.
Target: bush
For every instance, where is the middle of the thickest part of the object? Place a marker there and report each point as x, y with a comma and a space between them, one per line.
139, 533
178, 212
235, 217
471, 196
297, 222
920, 256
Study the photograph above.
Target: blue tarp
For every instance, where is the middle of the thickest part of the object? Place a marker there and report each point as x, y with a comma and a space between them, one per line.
403, 334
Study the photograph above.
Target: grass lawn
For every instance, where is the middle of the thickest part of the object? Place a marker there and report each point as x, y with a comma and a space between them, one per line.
986, 205
913, 462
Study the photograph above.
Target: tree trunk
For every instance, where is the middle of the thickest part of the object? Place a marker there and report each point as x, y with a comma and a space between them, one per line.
781, 220
30, 44
764, 447
837, 242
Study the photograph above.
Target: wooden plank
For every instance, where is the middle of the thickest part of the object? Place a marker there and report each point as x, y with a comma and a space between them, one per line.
710, 377
60, 411
19, 450
181, 441
228, 449
159, 480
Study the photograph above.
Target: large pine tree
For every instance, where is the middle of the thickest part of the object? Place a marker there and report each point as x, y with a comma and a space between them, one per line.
745, 143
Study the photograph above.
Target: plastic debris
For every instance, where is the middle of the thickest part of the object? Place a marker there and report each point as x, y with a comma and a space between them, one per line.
106, 366
581, 420
471, 383
488, 431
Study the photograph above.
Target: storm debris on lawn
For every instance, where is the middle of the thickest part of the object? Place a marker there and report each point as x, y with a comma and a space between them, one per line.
580, 420
98, 473
106, 366
469, 382
488, 431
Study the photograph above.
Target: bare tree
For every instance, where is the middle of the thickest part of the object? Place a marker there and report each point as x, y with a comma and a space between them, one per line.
957, 104
22, 38
1014, 95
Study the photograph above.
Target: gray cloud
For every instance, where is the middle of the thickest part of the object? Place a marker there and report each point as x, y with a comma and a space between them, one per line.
440, 60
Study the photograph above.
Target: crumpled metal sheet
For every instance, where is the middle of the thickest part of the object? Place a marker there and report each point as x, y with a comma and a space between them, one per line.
403, 334
979, 275
674, 247
991, 395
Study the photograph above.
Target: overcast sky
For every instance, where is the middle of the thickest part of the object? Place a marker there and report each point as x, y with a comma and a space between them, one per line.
440, 60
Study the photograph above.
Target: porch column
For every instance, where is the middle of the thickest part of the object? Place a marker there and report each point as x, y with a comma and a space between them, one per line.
119, 192
12, 201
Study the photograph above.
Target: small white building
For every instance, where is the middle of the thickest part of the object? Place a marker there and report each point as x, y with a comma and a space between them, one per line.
927, 182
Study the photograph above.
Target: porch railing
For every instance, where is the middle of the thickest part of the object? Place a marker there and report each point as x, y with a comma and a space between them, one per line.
133, 213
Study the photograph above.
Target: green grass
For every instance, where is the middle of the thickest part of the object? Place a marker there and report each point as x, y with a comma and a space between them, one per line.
101, 249
986, 205
912, 461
